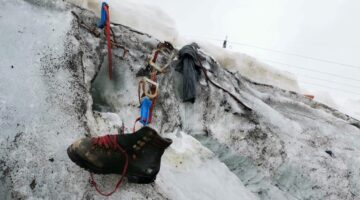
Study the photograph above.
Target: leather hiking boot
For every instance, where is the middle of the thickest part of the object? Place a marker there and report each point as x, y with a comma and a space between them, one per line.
137, 155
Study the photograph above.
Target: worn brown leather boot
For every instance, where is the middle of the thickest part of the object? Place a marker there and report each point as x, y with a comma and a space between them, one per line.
137, 155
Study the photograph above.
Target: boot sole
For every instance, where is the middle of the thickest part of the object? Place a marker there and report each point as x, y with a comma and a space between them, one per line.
84, 164
91, 168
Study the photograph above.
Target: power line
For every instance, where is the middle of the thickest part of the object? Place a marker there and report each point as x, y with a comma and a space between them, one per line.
298, 55
320, 85
324, 86
205, 38
326, 80
284, 52
307, 69
347, 78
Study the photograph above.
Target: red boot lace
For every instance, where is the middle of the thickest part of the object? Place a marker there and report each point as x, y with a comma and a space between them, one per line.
110, 142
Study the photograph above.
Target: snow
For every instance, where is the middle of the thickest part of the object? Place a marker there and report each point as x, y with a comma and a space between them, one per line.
196, 173
24, 45
145, 18
252, 68
36, 111
59, 91
351, 107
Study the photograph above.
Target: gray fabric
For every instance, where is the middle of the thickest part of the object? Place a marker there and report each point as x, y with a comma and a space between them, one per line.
189, 67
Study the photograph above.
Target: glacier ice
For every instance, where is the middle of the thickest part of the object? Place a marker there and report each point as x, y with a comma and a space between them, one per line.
58, 91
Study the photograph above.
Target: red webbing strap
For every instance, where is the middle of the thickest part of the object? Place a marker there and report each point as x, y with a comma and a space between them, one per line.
122, 174
107, 32
151, 109
156, 55
136, 120
153, 88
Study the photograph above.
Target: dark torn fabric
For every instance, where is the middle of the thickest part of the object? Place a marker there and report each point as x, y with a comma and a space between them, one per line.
190, 67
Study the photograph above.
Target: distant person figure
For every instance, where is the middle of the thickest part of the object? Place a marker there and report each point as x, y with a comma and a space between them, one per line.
225, 43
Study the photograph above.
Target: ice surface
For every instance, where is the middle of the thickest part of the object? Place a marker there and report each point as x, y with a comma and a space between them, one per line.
37, 102
195, 173
58, 91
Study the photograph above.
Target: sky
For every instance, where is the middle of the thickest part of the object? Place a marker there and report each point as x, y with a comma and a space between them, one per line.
305, 37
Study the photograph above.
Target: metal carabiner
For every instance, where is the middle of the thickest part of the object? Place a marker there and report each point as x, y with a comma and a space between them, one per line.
152, 61
145, 91
161, 48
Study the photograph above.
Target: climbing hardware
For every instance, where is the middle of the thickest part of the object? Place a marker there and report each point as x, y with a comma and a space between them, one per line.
105, 23
147, 92
165, 48
148, 88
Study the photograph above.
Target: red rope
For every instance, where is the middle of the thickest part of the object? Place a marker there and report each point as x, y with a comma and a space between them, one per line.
136, 120
156, 55
153, 88
107, 32
110, 141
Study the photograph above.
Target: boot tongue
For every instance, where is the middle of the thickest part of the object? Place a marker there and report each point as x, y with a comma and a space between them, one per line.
126, 141
156, 139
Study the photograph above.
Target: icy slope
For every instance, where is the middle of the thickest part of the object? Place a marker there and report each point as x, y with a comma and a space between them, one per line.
152, 20
44, 99
142, 16
220, 151
41, 102
277, 151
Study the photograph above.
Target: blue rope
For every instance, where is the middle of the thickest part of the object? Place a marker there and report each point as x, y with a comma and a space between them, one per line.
102, 21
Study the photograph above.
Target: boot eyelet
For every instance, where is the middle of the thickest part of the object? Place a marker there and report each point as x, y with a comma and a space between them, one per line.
141, 143
149, 171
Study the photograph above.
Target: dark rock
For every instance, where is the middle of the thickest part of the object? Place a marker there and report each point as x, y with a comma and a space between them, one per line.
33, 184
315, 187
330, 153
357, 125
17, 136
